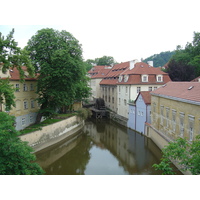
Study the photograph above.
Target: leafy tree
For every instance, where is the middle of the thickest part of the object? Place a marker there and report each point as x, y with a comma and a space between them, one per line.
57, 56
104, 61
11, 56
185, 154
186, 60
6, 94
16, 157
179, 70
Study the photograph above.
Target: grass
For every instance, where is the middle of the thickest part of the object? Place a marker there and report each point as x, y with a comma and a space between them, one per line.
36, 127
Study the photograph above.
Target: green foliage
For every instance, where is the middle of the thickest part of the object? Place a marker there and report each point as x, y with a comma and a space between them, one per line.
185, 154
186, 61
160, 59
84, 113
57, 56
6, 94
104, 61
16, 157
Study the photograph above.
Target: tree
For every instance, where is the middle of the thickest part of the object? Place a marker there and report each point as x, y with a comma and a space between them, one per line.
185, 154
104, 61
57, 57
184, 64
179, 70
11, 56
16, 157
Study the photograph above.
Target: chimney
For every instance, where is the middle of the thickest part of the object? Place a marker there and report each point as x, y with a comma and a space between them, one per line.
132, 63
150, 63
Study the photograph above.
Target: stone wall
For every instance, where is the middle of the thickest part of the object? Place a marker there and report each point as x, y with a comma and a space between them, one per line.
53, 133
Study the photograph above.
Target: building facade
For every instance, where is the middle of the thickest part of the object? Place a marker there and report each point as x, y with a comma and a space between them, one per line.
140, 112
138, 77
175, 112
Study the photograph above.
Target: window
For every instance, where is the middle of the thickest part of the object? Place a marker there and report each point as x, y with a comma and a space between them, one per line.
113, 100
155, 88
167, 117
119, 88
150, 88
144, 78
181, 124
31, 87
17, 88
173, 120
191, 127
125, 102
32, 104
126, 89
119, 101
25, 88
159, 78
31, 119
23, 121
25, 104
138, 89
162, 114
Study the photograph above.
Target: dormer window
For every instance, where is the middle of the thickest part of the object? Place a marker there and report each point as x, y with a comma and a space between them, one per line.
159, 78
120, 78
144, 78
125, 78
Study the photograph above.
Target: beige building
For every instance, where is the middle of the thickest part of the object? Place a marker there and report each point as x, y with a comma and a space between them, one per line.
175, 112
96, 74
26, 107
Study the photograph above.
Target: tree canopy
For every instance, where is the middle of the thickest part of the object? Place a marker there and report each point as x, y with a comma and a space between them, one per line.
104, 61
57, 57
16, 157
185, 63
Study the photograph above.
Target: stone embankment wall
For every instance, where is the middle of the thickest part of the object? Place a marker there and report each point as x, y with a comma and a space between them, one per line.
53, 133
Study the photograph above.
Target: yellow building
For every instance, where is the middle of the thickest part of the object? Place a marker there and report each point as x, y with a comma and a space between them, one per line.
26, 107
175, 112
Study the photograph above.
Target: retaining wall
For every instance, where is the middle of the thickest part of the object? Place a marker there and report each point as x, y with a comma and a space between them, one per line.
53, 133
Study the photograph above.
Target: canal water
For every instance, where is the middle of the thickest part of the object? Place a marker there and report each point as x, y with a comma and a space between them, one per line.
101, 148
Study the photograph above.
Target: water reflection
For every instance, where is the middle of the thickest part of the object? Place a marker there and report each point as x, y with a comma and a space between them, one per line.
102, 147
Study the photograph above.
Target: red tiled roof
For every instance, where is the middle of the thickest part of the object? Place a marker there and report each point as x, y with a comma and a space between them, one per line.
114, 73
134, 74
146, 96
143, 68
183, 90
135, 79
14, 73
99, 71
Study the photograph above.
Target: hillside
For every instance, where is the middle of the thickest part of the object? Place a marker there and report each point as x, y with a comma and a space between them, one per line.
161, 59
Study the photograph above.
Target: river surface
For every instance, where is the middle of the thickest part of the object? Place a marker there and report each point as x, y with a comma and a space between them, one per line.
101, 148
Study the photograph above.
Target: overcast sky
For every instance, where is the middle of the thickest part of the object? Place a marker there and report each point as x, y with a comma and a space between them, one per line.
125, 29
